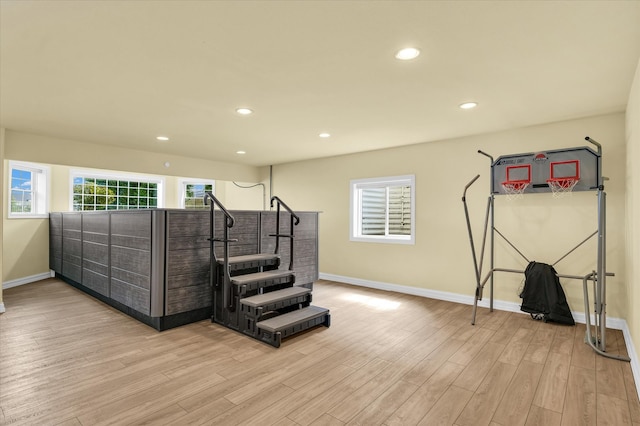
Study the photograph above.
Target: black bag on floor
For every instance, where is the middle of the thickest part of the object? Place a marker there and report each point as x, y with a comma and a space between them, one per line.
543, 295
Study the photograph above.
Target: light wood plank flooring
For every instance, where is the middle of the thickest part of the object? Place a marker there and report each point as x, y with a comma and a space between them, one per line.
388, 359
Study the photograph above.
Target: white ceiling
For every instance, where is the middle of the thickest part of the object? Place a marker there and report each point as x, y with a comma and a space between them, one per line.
121, 73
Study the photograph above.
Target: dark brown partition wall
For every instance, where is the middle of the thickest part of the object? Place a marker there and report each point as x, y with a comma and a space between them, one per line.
154, 264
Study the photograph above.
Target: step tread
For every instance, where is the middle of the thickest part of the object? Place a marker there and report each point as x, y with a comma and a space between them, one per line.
259, 276
250, 258
274, 296
283, 321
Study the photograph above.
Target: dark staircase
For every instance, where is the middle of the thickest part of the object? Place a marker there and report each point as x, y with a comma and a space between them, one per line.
252, 294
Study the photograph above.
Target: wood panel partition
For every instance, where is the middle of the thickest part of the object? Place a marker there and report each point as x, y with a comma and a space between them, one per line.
154, 264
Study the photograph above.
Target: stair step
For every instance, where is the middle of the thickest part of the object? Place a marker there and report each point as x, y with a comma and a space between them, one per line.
248, 261
273, 297
267, 305
263, 279
286, 323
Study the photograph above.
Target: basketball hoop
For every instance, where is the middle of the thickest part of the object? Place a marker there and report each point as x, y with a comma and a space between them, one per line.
514, 189
563, 177
518, 178
562, 187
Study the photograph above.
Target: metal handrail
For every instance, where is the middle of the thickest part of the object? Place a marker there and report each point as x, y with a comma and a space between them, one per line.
278, 235
282, 203
213, 279
230, 219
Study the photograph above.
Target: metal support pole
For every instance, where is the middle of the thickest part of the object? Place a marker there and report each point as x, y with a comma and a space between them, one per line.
575, 248
602, 267
491, 240
512, 246
466, 214
478, 293
484, 237
492, 255
587, 316
598, 146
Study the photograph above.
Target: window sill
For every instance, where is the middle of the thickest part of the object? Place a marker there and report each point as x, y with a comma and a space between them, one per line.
384, 240
28, 216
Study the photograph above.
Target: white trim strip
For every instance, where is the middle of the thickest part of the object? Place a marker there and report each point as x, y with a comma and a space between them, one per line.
631, 350
26, 280
614, 323
2, 310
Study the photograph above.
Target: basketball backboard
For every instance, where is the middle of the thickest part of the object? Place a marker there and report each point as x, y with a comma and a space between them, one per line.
581, 163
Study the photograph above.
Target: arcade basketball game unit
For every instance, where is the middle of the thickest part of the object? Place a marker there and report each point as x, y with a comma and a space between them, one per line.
560, 172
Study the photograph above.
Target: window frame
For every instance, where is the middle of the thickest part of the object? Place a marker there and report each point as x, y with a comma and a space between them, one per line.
41, 190
189, 181
111, 175
355, 222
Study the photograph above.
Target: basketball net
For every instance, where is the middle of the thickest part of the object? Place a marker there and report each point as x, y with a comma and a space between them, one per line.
514, 190
562, 187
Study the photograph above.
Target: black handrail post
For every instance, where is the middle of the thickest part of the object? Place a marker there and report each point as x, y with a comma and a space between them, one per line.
229, 222
291, 244
213, 265
277, 227
295, 220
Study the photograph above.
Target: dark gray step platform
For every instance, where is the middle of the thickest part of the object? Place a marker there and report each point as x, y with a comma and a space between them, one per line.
254, 306
277, 328
257, 280
250, 261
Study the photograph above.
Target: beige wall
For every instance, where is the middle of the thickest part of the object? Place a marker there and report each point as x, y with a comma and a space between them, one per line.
26, 241
542, 227
244, 195
25, 248
43, 149
2, 203
633, 210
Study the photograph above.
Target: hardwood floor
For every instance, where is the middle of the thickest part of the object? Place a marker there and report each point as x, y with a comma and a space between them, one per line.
387, 359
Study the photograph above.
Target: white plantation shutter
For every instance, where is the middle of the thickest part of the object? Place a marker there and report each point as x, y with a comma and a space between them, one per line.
382, 209
374, 211
399, 210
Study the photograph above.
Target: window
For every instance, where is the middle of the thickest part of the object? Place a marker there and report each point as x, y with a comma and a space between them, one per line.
114, 192
383, 209
192, 193
28, 191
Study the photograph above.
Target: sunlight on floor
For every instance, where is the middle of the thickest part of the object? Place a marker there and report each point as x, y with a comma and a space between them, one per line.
374, 302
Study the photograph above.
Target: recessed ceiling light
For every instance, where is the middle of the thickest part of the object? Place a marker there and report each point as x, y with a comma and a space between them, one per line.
244, 111
468, 105
407, 53
162, 138
241, 152
325, 135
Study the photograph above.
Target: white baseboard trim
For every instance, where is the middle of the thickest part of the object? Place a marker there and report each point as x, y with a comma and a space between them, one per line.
2, 310
613, 323
501, 305
26, 280
631, 350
